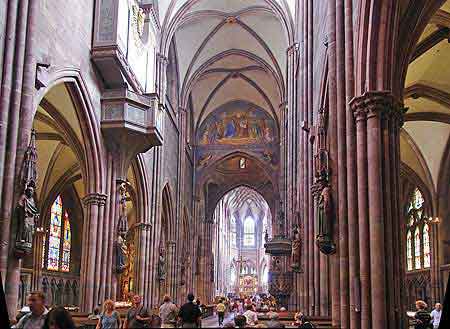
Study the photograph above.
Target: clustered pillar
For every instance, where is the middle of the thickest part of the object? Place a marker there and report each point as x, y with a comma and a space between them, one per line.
378, 119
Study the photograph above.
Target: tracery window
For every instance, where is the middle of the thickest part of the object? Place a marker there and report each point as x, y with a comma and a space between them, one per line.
426, 246
249, 232
409, 249
233, 232
59, 239
418, 250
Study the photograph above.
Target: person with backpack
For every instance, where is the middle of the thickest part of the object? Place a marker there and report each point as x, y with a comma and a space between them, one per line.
110, 318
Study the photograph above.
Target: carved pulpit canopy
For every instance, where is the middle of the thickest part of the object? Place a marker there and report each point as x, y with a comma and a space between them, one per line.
279, 245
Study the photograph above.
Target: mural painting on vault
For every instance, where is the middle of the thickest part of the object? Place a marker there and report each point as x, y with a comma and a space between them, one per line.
238, 126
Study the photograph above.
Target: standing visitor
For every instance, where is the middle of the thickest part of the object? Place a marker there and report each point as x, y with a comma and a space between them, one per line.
38, 313
59, 318
190, 313
436, 315
168, 313
250, 315
110, 318
422, 317
137, 316
221, 311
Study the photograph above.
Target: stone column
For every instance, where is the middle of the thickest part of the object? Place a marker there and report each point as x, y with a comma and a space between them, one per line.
142, 240
377, 123
171, 272
93, 202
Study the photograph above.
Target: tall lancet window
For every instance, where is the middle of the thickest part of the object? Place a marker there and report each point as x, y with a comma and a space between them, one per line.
418, 250
249, 232
59, 239
426, 246
409, 249
233, 232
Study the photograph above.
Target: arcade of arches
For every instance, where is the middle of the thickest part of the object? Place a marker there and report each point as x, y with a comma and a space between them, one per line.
227, 148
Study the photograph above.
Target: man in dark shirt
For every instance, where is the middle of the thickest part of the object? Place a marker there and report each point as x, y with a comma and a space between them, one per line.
190, 313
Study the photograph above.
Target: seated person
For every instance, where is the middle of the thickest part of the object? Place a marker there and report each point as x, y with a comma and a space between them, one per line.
240, 321
275, 322
271, 312
250, 315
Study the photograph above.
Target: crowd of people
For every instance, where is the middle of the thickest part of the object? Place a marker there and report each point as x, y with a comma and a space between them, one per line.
244, 313
137, 316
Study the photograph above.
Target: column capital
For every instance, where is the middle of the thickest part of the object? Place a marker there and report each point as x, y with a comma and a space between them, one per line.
379, 103
95, 198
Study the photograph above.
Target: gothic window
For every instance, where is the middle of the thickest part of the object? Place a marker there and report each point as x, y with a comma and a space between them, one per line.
249, 232
409, 251
59, 239
426, 246
233, 232
233, 275
418, 250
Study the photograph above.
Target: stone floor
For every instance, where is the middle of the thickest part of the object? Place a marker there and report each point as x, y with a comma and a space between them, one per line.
213, 322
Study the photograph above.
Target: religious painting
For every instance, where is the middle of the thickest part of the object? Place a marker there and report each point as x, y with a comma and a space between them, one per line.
237, 126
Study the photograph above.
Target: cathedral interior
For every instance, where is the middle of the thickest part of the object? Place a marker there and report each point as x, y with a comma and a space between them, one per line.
292, 148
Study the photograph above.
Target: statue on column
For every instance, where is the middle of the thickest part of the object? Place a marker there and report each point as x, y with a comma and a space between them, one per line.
321, 156
325, 210
162, 265
281, 220
296, 249
27, 213
122, 230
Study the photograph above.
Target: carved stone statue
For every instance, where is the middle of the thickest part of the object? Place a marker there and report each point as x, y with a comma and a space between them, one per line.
162, 265
121, 254
211, 273
325, 211
27, 216
122, 226
281, 220
296, 249
26, 212
266, 236
321, 166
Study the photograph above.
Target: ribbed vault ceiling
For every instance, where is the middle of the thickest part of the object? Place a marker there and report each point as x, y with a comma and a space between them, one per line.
229, 50
426, 132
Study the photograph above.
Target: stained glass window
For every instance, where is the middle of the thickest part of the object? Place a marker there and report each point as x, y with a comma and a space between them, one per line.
426, 246
59, 240
249, 232
409, 256
65, 262
54, 241
233, 231
43, 252
417, 248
